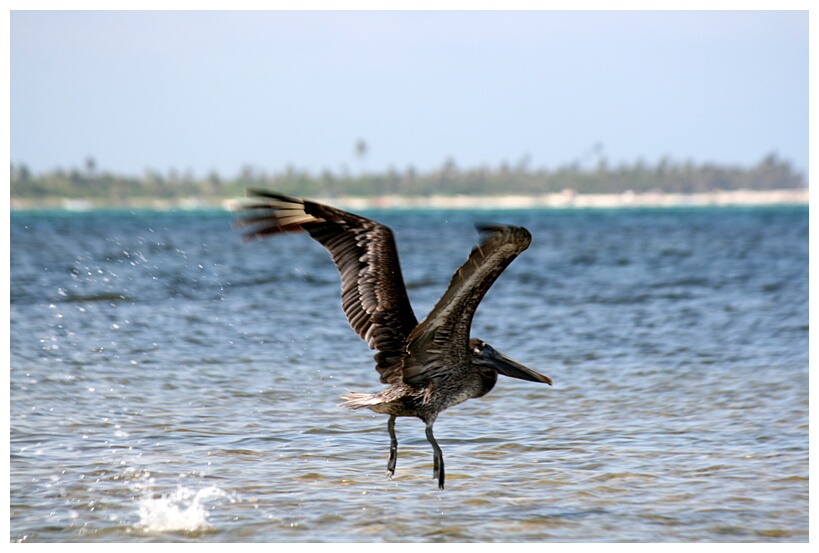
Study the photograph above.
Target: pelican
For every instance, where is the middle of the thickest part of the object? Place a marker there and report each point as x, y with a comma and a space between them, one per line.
428, 366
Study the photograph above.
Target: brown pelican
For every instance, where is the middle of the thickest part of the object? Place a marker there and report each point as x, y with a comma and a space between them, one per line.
431, 365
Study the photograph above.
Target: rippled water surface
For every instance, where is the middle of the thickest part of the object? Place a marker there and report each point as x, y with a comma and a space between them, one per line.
171, 384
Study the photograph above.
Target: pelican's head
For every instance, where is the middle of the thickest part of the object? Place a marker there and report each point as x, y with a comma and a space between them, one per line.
485, 355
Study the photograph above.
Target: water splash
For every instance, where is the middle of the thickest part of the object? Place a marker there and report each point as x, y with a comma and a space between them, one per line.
181, 511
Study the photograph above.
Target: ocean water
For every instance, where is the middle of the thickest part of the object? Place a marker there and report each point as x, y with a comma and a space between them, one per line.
169, 383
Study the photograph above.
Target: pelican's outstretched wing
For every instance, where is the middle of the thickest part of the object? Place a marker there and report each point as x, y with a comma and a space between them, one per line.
373, 295
441, 340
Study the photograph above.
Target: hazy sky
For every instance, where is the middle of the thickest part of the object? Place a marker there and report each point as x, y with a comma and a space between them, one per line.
201, 91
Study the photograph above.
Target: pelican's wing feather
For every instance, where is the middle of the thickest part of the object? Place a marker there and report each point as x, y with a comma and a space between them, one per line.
373, 295
440, 343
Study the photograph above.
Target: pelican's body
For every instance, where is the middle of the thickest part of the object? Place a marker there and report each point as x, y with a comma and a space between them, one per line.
428, 366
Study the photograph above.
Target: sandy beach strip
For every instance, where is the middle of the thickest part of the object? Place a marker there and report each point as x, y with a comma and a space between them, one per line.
561, 200
569, 200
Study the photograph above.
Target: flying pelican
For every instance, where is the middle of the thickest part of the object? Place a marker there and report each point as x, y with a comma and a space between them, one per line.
431, 365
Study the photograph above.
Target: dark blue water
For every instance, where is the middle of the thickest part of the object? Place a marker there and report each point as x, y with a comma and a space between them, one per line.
169, 383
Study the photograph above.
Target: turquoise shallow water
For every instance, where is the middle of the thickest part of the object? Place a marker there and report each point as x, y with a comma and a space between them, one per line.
171, 384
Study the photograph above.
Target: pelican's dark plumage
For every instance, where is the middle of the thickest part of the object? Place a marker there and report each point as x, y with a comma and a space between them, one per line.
428, 366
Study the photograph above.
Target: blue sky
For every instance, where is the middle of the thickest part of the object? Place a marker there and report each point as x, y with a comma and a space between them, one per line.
202, 91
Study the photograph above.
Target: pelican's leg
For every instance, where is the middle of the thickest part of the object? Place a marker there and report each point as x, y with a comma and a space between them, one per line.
437, 458
393, 447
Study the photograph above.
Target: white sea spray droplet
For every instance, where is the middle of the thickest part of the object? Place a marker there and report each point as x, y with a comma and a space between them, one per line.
182, 510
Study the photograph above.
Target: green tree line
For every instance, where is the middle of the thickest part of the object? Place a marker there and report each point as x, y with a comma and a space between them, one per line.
90, 183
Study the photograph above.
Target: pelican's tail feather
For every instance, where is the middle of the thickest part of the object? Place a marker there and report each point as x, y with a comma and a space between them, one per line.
360, 400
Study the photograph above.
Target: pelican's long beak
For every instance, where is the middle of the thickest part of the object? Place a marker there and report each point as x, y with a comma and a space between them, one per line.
510, 367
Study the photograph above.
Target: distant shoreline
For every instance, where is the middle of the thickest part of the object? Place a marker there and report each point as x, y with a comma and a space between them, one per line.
570, 200
561, 200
